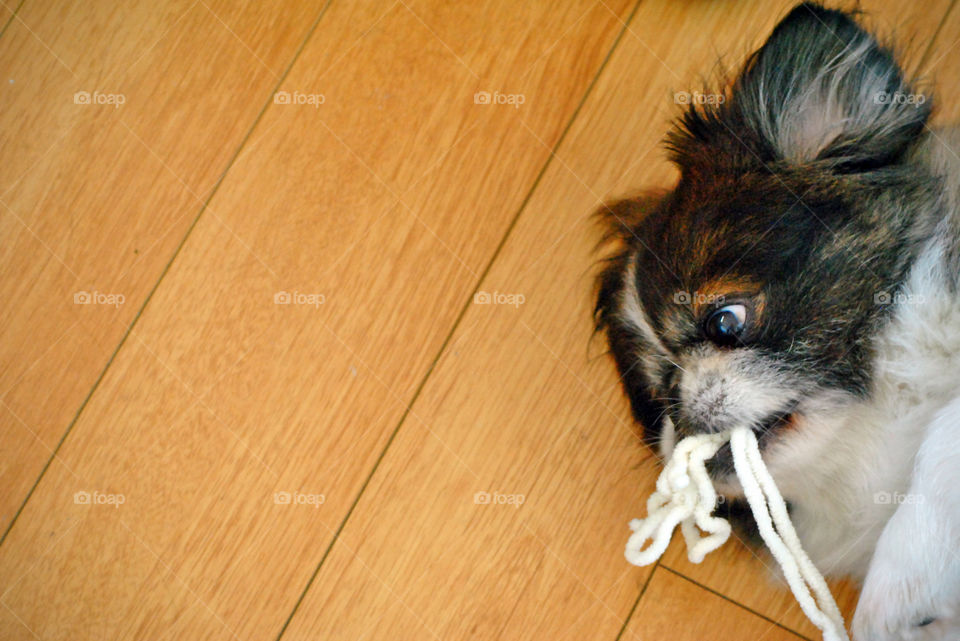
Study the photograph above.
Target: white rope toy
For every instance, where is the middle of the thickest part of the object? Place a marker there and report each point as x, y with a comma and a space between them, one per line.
685, 496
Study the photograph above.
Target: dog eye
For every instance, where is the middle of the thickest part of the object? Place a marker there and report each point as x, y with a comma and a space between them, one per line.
726, 325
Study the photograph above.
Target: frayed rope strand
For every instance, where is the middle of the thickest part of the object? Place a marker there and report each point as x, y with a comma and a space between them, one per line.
685, 496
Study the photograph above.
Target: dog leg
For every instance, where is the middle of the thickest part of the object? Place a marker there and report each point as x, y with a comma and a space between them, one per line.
912, 588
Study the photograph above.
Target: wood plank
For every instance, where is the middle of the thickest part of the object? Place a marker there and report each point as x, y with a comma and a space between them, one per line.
940, 68
6, 15
221, 398
515, 405
97, 197
752, 580
497, 441
909, 29
676, 609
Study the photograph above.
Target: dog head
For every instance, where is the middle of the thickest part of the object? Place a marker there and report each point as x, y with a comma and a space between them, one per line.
751, 293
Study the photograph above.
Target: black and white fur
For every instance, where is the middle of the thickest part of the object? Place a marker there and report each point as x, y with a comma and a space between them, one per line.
815, 203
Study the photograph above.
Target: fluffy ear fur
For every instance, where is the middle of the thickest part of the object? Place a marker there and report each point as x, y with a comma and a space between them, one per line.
820, 89
619, 220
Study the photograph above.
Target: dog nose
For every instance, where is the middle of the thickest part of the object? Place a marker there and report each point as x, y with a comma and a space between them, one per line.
704, 409
712, 398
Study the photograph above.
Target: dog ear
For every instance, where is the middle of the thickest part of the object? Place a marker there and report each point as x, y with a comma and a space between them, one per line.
820, 90
823, 89
620, 220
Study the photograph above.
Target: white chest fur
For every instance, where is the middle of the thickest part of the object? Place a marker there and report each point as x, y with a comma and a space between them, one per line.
846, 471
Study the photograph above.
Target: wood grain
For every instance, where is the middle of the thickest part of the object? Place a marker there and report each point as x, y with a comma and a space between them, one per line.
940, 69
605, 155
221, 399
752, 579
676, 609
6, 15
293, 370
97, 197
515, 406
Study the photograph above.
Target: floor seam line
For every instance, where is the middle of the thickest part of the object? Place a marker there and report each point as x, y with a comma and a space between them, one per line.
456, 323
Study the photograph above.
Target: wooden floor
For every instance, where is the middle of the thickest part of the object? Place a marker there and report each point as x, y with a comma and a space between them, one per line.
296, 330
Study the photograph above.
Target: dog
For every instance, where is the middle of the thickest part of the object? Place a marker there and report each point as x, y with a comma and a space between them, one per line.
803, 278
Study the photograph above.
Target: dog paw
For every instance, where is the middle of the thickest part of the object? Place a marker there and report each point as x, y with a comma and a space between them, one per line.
896, 605
911, 589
